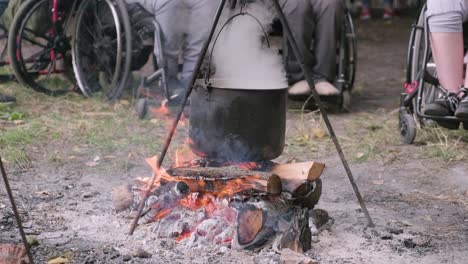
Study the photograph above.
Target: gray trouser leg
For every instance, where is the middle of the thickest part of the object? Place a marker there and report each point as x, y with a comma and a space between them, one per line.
327, 16
296, 11
200, 14
169, 14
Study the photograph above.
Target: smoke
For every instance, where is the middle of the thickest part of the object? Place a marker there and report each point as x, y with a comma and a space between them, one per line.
242, 60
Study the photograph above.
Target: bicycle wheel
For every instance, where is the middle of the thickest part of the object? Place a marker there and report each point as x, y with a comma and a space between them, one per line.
39, 48
102, 48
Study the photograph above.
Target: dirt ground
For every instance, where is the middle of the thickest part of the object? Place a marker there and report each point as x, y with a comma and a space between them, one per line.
72, 151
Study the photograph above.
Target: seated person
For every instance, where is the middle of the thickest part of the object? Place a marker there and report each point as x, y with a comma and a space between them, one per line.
5, 98
322, 24
446, 34
185, 26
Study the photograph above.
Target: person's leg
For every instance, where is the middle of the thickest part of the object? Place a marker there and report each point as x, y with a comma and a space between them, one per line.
445, 26
388, 9
328, 15
365, 10
167, 14
200, 15
298, 17
297, 14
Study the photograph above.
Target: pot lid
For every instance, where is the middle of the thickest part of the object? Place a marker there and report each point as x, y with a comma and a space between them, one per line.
243, 84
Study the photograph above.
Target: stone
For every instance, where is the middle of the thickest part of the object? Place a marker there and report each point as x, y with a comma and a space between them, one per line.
140, 253
122, 197
290, 257
88, 195
409, 243
126, 258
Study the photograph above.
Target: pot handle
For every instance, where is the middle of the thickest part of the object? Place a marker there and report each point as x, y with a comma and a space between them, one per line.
241, 13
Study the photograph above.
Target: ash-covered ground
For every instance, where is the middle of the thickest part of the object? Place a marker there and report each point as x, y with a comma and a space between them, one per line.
417, 195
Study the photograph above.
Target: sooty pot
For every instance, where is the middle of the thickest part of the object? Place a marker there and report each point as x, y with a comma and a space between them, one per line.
238, 124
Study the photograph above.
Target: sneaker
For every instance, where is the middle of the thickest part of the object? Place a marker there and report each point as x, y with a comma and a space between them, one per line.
7, 99
444, 104
388, 13
462, 109
365, 14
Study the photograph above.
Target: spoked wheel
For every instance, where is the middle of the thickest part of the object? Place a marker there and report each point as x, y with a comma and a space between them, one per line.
407, 126
101, 47
347, 57
38, 46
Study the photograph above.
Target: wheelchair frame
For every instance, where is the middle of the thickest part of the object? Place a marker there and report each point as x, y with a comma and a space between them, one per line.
415, 92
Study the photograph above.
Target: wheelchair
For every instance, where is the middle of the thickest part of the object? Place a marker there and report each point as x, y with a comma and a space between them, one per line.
421, 84
38, 46
346, 61
46, 38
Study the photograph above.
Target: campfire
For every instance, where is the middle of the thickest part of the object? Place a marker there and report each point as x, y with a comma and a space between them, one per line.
249, 205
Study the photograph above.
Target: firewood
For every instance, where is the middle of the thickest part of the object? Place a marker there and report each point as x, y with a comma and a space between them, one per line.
165, 198
215, 179
250, 224
292, 177
310, 171
298, 236
266, 212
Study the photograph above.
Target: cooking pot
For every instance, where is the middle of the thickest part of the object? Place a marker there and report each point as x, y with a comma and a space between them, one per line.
244, 123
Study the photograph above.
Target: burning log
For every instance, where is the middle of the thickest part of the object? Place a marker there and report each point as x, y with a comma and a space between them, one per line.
163, 201
293, 178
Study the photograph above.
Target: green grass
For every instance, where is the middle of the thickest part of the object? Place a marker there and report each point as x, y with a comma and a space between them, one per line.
56, 125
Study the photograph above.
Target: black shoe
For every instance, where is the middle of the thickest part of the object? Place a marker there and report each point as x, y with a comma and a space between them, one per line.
462, 109
444, 104
7, 99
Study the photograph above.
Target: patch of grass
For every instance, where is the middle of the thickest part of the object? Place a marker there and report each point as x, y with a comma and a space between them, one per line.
15, 141
369, 136
443, 144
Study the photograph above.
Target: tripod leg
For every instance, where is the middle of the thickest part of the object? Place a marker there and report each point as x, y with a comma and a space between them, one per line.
179, 114
308, 77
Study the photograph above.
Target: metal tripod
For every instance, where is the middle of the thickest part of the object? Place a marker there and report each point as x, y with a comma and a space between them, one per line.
308, 77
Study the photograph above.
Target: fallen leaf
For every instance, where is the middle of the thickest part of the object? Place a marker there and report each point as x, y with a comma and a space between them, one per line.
97, 158
91, 164
427, 218
124, 102
377, 182
359, 155
319, 133
44, 193
59, 260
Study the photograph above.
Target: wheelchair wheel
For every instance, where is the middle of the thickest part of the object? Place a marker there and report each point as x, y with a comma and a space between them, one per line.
347, 56
407, 127
38, 46
101, 47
